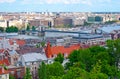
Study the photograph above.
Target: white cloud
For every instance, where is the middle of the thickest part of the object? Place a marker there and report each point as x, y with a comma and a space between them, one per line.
85, 2
33, 1
68, 2
7, 1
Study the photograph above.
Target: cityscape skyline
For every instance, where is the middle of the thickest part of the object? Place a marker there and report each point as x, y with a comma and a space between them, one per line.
59, 6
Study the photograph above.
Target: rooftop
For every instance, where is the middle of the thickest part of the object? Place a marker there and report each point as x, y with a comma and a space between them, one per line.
31, 57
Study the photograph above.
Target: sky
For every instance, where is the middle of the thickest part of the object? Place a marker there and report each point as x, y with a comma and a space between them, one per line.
59, 5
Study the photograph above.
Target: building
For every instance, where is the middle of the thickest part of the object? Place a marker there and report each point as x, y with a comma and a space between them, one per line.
17, 72
34, 22
4, 74
63, 22
4, 57
11, 44
53, 51
46, 23
32, 61
13, 57
95, 19
17, 23
4, 23
59, 41
78, 22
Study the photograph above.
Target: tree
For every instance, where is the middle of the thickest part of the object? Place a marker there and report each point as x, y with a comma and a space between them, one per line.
33, 28
11, 29
114, 50
42, 71
96, 72
28, 74
83, 56
42, 43
11, 77
59, 58
76, 73
28, 27
96, 49
74, 56
55, 69
1, 29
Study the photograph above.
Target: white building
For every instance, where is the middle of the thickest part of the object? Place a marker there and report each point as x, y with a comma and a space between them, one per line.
3, 23
32, 61
13, 57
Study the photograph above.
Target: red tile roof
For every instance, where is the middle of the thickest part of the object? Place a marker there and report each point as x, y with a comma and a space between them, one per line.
18, 41
5, 62
2, 50
62, 49
50, 51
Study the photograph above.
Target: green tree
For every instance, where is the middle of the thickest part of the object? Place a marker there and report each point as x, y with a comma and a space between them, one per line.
42, 71
76, 73
96, 49
11, 77
15, 29
86, 58
74, 56
28, 27
1, 29
83, 56
42, 43
114, 50
55, 69
96, 72
59, 58
11, 29
33, 28
28, 74
55, 77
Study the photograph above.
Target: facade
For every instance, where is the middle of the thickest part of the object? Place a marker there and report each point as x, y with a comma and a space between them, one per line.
32, 61
4, 57
61, 22
78, 22
46, 23
34, 22
95, 19
4, 23
17, 72
4, 74
17, 23
13, 57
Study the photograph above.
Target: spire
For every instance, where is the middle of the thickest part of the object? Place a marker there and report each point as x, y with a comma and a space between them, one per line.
48, 50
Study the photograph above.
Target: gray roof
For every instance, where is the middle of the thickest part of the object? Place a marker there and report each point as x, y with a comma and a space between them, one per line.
12, 52
109, 29
31, 57
89, 36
